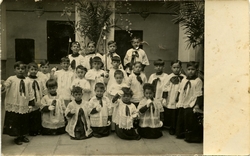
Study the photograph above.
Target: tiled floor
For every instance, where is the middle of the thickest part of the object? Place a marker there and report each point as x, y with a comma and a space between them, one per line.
111, 145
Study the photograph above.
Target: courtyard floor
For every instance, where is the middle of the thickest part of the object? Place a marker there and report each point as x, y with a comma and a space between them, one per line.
111, 145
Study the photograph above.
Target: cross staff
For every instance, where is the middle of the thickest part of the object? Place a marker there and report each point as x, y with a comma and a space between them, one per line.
69, 45
104, 47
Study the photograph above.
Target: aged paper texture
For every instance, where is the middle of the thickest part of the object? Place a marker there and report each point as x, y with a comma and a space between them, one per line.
226, 77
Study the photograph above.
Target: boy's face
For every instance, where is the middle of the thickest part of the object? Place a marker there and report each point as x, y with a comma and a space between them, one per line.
191, 71
119, 78
97, 65
65, 65
115, 64
99, 92
148, 94
135, 43
75, 48
112, 48
44, 69
176, 68
137, 68
126, 98
33, 71
77, 96
158, 68
80, 73
20, 71
91, 48
52, 90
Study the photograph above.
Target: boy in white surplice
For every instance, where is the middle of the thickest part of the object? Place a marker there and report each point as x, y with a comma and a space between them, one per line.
150, 114
124, 115
52, 109
78, 126
100, 112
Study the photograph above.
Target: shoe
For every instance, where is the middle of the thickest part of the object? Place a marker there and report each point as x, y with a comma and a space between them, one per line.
180, 137
171, 131
18, 141
32, 134
72, 138
97, 135
24, 139
138, 137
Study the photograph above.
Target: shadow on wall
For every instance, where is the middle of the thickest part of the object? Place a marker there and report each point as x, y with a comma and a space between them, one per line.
3, 70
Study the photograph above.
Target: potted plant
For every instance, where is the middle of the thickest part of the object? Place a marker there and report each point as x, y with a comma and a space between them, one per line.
190, 15
95, 21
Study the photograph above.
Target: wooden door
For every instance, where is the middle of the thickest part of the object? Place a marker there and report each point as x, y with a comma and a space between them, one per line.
58, 45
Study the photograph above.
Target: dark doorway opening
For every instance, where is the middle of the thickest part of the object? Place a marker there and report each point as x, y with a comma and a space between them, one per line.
25, 50
122, 39
58, 35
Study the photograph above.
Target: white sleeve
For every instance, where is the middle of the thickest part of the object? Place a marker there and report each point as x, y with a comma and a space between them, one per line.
166, 85
91, 105
112, 90
109, 107
150, 80
126, 59
145, 58
86, 85
8, 82
56, 75
145, 80
44, 102
181, 86
72, 85
68, 109
129, 81
30, 91
198, 88
90, 75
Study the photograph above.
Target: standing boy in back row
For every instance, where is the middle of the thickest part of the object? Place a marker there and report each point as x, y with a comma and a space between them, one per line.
135, 54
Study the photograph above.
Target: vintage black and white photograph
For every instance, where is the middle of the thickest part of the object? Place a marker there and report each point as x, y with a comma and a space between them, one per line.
84, 77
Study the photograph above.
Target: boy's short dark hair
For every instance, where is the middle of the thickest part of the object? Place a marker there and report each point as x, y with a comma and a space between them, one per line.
76, 89
116, 58
135, 38
127, 91
18, 63
193, 64
75, 43
111, 42
99, 85
82, 68
176, 61
51, 83
118, 72
96, 59
148, 86
65, 59
32, 64
137, 62
159, 62
91, 42
44, 62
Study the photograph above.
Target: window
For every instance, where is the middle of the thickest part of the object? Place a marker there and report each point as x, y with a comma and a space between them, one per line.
25, 50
